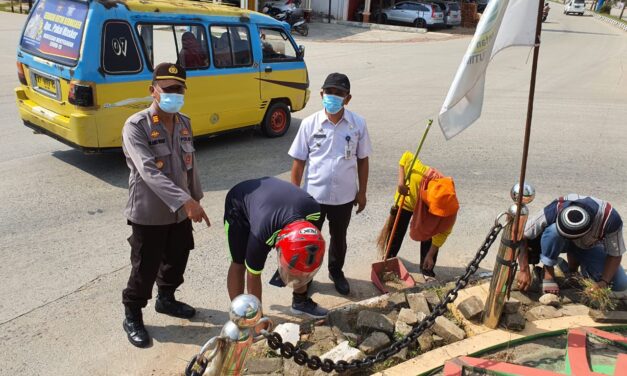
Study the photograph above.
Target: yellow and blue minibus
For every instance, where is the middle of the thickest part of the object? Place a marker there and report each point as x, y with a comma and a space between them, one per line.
85, 66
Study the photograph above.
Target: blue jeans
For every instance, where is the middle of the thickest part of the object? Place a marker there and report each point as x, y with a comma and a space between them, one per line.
591, 261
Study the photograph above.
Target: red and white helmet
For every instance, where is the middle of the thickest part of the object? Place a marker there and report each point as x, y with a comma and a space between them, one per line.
300, 247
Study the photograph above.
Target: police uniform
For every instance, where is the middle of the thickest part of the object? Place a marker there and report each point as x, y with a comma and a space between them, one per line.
163, 176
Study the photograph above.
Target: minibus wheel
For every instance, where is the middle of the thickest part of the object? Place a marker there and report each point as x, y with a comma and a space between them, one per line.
277, 120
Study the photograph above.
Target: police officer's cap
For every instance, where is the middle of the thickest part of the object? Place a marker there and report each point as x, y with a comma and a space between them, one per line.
169, 74
337, 81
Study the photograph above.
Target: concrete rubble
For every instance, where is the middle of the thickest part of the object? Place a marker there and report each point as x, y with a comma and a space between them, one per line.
375, 342
471, 308
361, 329
418, 303
446, 329
373, 321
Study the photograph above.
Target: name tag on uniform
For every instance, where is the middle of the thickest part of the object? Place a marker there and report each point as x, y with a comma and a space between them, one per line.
155, 142
320, 135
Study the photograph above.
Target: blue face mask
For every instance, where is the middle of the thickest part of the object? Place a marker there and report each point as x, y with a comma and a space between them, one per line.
171, 103
332, 103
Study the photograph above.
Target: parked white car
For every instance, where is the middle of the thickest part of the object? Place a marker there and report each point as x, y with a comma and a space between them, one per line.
415, 13
454, 15
575, 6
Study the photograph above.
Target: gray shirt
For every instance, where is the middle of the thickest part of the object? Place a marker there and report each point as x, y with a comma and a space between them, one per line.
163, 168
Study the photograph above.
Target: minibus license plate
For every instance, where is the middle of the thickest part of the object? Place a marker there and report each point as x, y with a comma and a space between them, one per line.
46, 84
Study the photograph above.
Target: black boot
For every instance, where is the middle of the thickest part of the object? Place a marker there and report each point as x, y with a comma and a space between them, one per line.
134, 327
166, 304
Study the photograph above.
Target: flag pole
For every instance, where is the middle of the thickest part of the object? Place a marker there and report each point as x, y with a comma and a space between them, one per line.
505, 266
532, 88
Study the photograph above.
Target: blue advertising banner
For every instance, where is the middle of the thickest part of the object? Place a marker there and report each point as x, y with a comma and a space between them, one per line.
56, 28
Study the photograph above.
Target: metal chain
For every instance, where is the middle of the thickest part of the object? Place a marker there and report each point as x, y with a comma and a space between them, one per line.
287, 350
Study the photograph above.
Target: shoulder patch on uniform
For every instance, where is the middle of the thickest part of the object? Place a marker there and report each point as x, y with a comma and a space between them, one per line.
136, 117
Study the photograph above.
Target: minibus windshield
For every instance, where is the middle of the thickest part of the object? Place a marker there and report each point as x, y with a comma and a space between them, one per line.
54, 30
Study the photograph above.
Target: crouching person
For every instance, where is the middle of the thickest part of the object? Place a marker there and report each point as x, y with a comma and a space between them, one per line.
588, 230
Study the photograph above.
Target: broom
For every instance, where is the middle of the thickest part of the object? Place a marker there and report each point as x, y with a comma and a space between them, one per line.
383, 240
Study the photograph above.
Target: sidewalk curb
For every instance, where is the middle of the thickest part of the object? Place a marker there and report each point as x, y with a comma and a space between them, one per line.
611, 21
373, 26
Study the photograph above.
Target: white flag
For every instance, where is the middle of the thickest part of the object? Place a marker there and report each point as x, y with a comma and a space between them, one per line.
464, 100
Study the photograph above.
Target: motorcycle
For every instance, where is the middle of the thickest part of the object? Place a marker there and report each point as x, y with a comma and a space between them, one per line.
545, 12
297, 23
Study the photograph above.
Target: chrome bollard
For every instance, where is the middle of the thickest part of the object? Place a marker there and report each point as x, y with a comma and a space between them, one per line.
505, 266
226, 353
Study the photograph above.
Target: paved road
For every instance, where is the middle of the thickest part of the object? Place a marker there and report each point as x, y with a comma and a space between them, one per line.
63, 251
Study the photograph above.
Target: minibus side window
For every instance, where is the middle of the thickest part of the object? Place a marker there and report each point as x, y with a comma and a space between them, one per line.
276, 46
183, 44
120, 54
230, 46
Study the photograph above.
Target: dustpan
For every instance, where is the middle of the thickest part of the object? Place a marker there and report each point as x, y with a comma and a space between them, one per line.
391, 267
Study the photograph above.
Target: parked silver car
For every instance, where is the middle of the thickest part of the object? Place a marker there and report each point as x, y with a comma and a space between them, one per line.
415, 13
454, 17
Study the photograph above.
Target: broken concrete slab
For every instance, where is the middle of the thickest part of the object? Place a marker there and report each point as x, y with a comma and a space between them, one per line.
471, 308
407, 316
402, 328
542, 312
432, 298
392, 315
446, 329
612, 317
574, 310
322, 333
425, 341
264, 366
511, 306
289, 332
513, 321
374, 343
344, 317
343, 351
374, 321
418, 303
398, 300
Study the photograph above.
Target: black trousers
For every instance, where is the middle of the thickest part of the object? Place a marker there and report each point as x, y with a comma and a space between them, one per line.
339, 217
158, 253
401, 230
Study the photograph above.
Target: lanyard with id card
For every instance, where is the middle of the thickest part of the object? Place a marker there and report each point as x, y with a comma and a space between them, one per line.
347, 149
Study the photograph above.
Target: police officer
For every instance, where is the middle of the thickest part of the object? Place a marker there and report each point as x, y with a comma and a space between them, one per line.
164, 195
334, 144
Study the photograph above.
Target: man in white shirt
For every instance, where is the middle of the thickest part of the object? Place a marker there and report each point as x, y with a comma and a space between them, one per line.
335, 146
